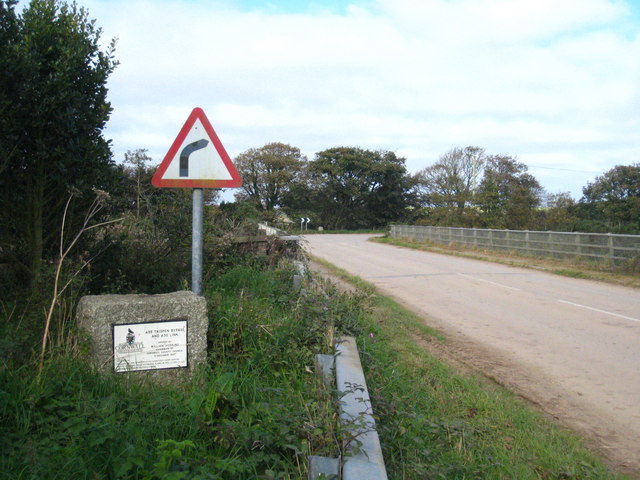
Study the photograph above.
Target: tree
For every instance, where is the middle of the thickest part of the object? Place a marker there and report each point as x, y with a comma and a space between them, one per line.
9, 30
52, 119
620, 183
452, 180
136, 167
508, 194
615, 197
356, 188
268, 173
448, 186
560, 214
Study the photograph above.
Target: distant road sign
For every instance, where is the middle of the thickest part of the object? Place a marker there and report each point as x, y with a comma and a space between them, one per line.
197, 158
304, 221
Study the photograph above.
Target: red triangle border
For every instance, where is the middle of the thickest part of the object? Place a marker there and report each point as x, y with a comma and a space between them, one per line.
196, 114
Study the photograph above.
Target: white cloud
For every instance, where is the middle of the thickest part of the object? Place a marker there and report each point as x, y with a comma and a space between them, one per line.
555, 83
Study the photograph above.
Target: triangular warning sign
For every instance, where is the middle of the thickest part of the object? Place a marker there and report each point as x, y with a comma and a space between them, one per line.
197, 158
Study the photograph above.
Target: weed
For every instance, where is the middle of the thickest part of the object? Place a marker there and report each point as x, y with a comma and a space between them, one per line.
571, 273
58, 289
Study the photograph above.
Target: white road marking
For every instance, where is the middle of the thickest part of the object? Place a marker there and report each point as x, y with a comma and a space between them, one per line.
488, 281
601, 311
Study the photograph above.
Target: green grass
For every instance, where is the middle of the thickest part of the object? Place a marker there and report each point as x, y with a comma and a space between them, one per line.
437, 423
566, 272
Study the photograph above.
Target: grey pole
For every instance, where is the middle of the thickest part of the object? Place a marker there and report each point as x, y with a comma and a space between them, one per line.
197, 242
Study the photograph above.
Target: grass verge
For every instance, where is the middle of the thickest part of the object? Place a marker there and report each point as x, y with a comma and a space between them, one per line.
256, 410
437, 423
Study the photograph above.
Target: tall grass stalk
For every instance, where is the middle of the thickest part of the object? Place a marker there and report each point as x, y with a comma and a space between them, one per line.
98, 204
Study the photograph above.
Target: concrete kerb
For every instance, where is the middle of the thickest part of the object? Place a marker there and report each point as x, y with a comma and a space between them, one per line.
298, 278
364, 452
325, 365
366, 460
325, 468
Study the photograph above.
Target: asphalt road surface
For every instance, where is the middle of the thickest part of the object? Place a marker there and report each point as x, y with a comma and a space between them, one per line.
571, 346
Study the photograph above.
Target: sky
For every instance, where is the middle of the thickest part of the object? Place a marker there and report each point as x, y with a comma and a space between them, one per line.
554, 83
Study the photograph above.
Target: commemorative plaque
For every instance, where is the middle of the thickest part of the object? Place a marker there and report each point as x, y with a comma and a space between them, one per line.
150, 346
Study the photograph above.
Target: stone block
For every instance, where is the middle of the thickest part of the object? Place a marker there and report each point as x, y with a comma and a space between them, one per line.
325, 365
161, 337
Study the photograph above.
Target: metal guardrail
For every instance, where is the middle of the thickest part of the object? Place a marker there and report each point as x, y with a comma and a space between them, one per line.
607, 247
269, 230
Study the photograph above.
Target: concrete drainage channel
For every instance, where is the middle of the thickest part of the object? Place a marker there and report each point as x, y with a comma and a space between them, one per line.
364, 460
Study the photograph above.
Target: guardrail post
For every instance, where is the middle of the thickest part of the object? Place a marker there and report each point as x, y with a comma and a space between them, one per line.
611, 250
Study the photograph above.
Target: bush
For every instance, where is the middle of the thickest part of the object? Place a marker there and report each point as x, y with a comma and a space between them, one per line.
139, 257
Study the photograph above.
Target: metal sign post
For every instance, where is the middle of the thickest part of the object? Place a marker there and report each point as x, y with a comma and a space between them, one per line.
197, 241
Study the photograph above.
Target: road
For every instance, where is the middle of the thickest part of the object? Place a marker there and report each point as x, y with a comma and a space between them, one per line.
571, 346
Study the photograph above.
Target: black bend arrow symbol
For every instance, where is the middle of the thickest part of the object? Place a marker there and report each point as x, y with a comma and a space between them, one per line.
188, 150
